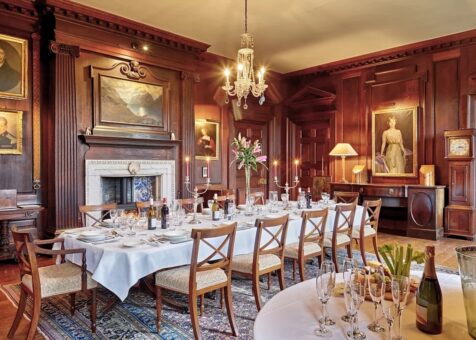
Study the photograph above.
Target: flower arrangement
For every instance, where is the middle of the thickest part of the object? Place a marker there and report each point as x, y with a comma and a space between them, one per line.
247, 154
398, 259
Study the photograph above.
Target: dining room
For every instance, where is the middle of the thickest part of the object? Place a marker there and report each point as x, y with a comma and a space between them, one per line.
237, 169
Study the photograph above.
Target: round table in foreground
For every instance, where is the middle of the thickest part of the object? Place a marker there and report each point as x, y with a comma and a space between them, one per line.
293, 314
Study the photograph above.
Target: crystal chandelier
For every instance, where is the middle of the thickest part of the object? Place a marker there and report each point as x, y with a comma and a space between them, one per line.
245, 78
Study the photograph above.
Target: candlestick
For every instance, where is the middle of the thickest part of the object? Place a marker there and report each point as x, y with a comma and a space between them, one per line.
195, 194
286, 186
208, 167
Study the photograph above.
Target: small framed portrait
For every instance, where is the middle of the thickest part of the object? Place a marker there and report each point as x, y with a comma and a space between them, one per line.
207, 139
10, 132
13, 67
394, 143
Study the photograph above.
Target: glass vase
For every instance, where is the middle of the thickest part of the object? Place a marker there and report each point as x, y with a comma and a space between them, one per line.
467, 269
249, 200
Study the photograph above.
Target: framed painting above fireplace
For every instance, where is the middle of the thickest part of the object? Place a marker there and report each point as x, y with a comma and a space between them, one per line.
131, 101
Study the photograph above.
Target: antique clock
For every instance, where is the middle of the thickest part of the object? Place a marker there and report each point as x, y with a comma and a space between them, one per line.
460, 214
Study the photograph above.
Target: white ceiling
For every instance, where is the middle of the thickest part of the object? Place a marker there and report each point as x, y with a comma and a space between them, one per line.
295, 34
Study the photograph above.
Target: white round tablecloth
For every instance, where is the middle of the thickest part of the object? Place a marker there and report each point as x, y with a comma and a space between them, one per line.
293, 314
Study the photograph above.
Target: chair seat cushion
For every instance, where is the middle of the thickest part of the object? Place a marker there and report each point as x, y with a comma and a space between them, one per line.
244, 263
177, 279
291, 250
59, 279
341, 238
367, 232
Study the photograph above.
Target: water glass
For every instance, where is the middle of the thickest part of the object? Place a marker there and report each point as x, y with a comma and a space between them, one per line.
467, 269
273, 199
325, 198
285, 199
400, 290
376, 286
210, 203
325, 283
131, 222
114, 214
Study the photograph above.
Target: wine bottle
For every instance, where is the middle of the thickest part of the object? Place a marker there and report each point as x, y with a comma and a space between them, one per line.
226, 207
308, 198
215, 208
429, 300
151, 216
164, 214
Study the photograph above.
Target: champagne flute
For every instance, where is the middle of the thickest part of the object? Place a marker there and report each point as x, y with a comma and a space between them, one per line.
348, 266
400, 290
389, 312
325, 282
354, 294
376, 284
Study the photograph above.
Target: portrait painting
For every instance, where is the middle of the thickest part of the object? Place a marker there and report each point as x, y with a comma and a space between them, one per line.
394, 142
206, 139
13, 65
11, 132
131, 102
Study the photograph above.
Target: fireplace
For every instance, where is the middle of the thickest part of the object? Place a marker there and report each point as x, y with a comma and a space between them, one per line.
128, 181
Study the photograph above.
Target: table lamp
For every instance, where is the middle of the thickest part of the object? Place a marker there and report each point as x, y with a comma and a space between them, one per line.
343, 150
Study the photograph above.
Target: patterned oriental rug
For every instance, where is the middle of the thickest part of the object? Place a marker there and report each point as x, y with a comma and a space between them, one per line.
135, 317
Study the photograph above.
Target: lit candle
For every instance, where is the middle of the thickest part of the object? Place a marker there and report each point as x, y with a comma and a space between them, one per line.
262, 70
208, 167
275, 164
187, 165
227, 75
296, 163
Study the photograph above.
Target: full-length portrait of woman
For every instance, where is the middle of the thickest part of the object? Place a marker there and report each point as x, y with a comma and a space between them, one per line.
392, 148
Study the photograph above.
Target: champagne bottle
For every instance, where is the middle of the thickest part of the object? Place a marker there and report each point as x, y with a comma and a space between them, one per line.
164, 214
429, 301
226, 207
151, 216
215, 208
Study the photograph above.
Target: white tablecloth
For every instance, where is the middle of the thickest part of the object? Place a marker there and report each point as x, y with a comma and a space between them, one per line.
293, 314
118, 268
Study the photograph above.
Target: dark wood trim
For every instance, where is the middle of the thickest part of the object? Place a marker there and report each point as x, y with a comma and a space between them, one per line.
92, 140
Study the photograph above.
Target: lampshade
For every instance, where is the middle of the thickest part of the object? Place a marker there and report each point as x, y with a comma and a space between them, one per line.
343, 149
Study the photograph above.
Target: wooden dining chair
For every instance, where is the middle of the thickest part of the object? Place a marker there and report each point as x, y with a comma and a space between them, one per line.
268, 254
141, 206
87, 211
311, 238
187, 204
202, 276
44, 282
346, 197
258, 197
341, 235
368, 227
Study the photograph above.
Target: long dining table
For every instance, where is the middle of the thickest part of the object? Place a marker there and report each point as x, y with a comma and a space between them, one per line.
118, 268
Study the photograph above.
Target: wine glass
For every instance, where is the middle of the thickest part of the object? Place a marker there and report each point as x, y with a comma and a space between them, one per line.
231, 210
348, 266
400, 290
273, 198
131, 221
113, 213
285, 199
325, 283
376, 284
354, 294
325, 198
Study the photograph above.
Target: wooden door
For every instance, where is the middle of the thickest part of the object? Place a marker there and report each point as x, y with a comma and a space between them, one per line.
461, 186
252, 131
313, 146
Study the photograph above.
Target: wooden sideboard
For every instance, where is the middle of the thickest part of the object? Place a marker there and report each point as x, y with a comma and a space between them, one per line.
27, 218
409, 210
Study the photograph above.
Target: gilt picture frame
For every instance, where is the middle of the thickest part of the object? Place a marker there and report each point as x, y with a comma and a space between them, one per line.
394, 142
11, 132
207, 139
13, 67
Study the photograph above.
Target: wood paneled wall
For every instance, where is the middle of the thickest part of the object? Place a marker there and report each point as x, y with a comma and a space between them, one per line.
436, 76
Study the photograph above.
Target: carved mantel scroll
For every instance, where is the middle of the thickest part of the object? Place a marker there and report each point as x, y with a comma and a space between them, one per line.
58, 48
133, 70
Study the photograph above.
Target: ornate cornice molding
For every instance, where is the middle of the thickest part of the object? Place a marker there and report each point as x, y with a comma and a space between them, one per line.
19, 7
106, 21
58, 48
395, 54
190, 75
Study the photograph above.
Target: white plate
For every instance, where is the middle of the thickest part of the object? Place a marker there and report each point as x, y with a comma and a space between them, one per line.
94, 239
91, 233
175, 234
132, 243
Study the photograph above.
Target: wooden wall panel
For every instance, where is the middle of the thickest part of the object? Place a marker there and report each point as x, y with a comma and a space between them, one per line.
446, 105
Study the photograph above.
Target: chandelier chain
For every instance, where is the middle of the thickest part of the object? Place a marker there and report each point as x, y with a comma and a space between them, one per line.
246, 16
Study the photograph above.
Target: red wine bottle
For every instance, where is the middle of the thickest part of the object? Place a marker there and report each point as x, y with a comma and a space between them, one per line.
429, 300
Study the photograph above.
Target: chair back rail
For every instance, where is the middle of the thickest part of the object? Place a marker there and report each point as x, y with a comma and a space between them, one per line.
140, 206
258, 197
370, 215
20, 239
276, 229
86, 210
346, 197
220, 258
312, 230
344, 220
187, 204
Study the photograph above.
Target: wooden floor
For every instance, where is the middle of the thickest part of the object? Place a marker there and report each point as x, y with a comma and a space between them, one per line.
9, 274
